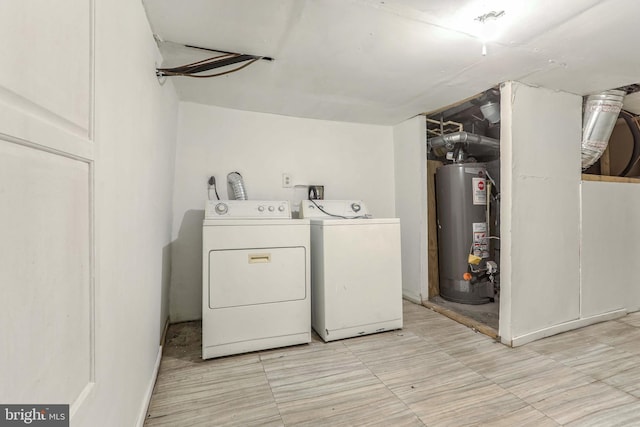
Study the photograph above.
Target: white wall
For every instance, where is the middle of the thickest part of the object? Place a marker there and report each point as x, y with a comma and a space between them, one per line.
569, 246
87, 148
540, 280
352, 161
410, 154
610, 247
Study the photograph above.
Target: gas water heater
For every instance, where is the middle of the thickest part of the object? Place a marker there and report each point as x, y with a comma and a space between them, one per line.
464, 230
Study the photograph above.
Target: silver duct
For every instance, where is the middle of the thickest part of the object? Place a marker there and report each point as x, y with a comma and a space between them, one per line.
600, 115
474, 145
236, 184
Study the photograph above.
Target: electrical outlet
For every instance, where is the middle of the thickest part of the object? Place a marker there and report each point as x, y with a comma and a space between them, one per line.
287, 182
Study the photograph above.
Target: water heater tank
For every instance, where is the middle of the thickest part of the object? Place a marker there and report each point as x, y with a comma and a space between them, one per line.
461, 199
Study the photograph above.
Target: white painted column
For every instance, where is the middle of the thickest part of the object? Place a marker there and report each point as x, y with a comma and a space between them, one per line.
540, 280
410, 157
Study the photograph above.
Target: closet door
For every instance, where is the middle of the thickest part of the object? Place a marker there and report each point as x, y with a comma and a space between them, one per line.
46, 192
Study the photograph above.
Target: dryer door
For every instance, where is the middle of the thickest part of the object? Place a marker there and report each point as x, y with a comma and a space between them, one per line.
239, 277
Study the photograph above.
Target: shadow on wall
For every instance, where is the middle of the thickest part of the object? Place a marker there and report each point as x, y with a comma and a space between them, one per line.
185, 294
165, 283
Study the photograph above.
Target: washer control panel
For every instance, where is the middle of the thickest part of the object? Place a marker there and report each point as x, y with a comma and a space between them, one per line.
247, 209
346, 209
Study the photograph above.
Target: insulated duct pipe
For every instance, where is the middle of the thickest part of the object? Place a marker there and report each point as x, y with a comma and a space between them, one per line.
600, 115
473, 144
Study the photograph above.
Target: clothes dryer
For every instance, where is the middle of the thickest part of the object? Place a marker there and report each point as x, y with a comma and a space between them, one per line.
256, 278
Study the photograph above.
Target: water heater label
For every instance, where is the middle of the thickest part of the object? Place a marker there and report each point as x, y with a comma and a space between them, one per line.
474, 171
479, 191
480, 240
479, 227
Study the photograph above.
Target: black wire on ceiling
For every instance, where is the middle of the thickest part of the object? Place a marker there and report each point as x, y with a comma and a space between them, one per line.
227, 58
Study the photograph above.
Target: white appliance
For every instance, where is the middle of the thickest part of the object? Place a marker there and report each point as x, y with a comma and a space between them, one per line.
356, 276
256, 278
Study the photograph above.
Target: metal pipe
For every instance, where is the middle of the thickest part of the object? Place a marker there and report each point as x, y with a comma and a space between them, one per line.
236, 183
471, 142
600, 115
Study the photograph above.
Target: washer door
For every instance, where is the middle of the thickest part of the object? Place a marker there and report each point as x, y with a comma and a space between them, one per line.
362, 275
239, 277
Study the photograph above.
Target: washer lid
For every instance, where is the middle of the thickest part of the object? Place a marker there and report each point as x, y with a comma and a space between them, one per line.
253, 222
328, 222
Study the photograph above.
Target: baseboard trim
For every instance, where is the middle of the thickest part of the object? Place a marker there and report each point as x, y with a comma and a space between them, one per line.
416, 299
152, 384
163, 338
567, 326
147, 396
80, 399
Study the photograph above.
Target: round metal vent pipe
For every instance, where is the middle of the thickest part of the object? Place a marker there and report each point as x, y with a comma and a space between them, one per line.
600, 115
236, 183
474, 144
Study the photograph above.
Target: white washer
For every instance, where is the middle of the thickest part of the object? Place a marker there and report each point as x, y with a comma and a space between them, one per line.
256, 278
356, 272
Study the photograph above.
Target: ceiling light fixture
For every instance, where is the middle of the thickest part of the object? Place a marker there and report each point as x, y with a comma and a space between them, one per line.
487, 31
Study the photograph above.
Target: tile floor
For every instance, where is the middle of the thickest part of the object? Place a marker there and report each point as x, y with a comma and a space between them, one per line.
434, 372
488, 314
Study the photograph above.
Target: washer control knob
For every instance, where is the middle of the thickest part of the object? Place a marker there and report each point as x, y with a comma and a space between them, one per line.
222, 208
261, 208
355, 207
281, 208
271, 208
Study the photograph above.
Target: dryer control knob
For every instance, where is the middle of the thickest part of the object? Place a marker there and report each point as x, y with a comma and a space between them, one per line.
271, 208
281, 208
261, 208
222, 208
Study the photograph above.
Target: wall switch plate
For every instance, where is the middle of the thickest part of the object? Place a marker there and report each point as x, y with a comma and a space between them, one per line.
287, 181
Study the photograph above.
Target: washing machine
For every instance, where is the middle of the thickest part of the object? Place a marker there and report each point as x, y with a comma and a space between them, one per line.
256, 277
356, 273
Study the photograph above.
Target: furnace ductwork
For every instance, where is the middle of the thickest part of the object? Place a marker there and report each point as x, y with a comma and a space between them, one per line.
474, 145
600, 115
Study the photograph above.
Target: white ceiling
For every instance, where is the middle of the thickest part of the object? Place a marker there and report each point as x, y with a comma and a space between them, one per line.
383, 61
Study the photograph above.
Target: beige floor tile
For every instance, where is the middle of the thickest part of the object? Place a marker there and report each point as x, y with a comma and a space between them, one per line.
627, 381
536, 386
603, 361
315, 374
433, 372
632, 319
564, 346
431, 367
500, 363
623, 415
607, 331
523, 417
628, 341
472, 403
583, 402
391, 347
389, 413
205, 415
311, 407
449, 379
